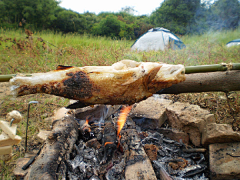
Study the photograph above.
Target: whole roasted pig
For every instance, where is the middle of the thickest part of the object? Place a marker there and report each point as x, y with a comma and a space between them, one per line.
125, 82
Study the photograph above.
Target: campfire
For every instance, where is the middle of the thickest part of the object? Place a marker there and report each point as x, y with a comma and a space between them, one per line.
104, 139
108, 142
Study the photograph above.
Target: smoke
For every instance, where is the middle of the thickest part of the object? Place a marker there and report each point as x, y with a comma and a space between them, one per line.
215, 16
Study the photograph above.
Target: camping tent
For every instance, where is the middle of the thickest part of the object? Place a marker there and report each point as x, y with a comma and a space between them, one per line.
233, 43
157, 39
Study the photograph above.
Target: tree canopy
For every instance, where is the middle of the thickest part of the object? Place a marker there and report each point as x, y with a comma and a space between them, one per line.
179, 16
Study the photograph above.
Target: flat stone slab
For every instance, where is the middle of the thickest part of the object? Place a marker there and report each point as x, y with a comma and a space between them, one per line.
153, 108
43, 134
191, 119
219, 133
224, 160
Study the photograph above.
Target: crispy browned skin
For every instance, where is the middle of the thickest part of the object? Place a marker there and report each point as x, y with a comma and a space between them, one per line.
99, 87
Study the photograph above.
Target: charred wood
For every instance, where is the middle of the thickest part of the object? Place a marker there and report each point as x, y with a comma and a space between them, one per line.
138, 165
163, 174
109, 141
56, 150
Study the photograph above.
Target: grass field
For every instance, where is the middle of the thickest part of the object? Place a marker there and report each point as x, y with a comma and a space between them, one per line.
46, 50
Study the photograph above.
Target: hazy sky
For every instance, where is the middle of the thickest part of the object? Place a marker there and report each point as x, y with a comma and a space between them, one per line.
97, 6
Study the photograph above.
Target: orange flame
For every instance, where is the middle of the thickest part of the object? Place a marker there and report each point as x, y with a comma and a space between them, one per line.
122, 119
86, 126
108, 143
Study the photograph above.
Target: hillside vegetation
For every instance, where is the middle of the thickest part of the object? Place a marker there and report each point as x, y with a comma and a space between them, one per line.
179, 16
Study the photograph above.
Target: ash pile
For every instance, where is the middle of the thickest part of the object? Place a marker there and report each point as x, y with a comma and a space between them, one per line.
116, 145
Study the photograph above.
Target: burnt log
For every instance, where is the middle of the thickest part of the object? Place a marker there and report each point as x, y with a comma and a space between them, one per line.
206, 82
138, 165
56, 150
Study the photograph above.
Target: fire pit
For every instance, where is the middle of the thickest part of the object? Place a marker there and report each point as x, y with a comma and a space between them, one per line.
105, 143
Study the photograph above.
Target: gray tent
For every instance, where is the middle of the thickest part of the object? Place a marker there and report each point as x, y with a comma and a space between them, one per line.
157, 39
235, 42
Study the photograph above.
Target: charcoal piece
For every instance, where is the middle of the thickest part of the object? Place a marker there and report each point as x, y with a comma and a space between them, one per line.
84, 167
142, 135
161, 171
93, 143
109, 133
171, 149
75, 162
98, 133
193, 170
155, 138
168, 141
85, 131
73, 176
108, 152
116, 172
110, 141
196, 157
130, 124
201, 159
163, 153
80, 147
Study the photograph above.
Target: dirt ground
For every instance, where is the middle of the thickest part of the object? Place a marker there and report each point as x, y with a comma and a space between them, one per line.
4, 90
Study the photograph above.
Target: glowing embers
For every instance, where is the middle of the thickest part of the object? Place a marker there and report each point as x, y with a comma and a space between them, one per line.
86, 126
86, 130
106, 143
104, 134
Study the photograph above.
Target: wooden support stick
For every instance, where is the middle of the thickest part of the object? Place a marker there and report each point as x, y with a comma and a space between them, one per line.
206, 82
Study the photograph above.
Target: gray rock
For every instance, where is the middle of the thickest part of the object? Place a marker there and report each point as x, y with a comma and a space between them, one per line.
96, 112
224, 161
190, 119
175, 135
43, 134
153, 108
219, 133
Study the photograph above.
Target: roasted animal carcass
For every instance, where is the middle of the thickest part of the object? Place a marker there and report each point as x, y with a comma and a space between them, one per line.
125, 82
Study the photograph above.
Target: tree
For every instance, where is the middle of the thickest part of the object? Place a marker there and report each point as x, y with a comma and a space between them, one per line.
40, 13
199, 24
69, 21
225, 14
175, 15
13, 10
109, 26
2, 11
90, 19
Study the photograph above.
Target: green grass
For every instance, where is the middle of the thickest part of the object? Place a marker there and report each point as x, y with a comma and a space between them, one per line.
82, 50
21, 55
